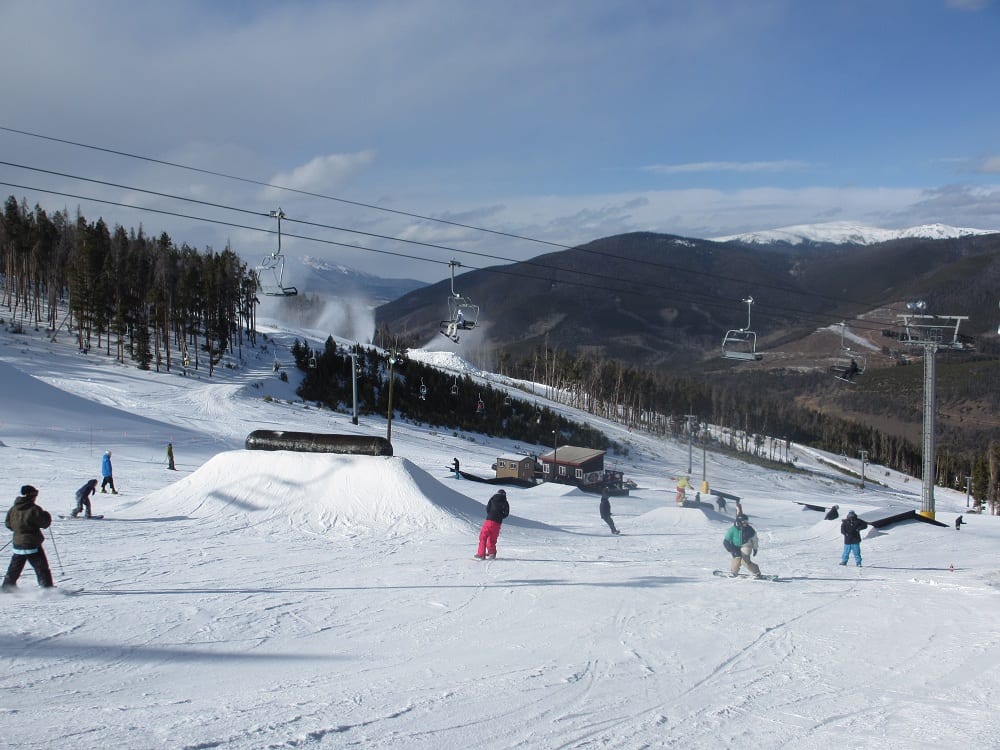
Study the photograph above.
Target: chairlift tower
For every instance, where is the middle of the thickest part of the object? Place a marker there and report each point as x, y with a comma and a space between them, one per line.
352, 352
931, 333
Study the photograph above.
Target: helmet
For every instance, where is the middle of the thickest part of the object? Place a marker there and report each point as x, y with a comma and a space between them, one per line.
742, 518
502, 492
851, 513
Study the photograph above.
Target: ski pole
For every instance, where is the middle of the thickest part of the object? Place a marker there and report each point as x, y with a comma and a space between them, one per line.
6, 546
52, 536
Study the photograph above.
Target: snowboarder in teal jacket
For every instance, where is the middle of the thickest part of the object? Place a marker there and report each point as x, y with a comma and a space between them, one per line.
741, 543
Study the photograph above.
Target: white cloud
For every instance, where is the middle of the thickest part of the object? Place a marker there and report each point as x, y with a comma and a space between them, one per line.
325, 172
727, 166
990, 165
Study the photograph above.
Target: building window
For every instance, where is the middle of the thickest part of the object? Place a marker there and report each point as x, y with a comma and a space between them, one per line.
579, 473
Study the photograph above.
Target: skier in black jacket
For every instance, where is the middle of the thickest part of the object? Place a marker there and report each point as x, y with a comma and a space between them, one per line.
83, 498
26, 520
606, 510
497, 509
851, 527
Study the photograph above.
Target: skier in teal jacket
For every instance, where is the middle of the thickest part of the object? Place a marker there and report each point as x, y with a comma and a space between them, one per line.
741, 543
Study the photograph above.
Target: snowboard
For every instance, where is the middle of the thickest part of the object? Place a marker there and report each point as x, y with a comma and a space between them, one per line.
727, 574
85, 518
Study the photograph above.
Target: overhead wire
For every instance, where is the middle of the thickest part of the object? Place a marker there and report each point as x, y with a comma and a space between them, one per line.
682, 293
603, 277
375, 207
628, 287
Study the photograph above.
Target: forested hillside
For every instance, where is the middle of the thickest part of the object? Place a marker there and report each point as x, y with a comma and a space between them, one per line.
131, 296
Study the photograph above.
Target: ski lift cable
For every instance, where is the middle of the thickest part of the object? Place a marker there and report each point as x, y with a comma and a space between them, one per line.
637, 289
360, 204
664, 266
677, 292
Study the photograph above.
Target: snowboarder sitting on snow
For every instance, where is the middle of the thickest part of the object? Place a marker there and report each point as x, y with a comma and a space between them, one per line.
832, 514
851, 527
497, 509
83, 498
26, 520
108, 473
606, 510
741, 542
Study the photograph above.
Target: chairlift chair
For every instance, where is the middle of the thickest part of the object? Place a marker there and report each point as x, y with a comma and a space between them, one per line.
454, 388
462, 314
480, 405
423, 390
270, 271
741, 343
849, 363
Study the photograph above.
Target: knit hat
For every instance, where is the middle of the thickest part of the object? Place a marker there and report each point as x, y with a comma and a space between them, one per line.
851, 513
28, 491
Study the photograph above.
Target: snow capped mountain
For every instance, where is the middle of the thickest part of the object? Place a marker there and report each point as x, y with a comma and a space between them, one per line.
320, 276
847, 233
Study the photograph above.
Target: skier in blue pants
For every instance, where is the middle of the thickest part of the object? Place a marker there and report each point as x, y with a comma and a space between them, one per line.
851, 527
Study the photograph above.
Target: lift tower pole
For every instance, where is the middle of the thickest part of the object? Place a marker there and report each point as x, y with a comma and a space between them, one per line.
931, 333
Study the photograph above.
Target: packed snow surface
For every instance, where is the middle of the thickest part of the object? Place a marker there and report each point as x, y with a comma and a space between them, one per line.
257, 599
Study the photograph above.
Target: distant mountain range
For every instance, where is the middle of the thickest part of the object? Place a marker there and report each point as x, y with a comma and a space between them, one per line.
658, 300
318, 276
848, 233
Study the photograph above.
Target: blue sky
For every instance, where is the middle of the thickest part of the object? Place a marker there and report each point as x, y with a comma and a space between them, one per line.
558, 121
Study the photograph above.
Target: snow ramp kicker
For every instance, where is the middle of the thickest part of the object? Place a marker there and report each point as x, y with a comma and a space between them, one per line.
317, 442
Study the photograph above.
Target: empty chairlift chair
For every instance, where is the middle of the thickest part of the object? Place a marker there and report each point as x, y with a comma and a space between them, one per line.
741, 343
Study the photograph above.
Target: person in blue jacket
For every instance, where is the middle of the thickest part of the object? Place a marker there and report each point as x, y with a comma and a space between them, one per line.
741, 542
108, 474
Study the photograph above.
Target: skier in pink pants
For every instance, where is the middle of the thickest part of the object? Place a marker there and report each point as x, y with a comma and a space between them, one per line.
497, 509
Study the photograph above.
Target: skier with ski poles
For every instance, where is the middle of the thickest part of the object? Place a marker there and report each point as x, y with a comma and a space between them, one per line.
27, 519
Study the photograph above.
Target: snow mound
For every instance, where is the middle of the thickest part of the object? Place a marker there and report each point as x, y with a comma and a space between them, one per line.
318, 492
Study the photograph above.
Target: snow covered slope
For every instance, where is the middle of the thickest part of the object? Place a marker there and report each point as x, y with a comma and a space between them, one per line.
259, 599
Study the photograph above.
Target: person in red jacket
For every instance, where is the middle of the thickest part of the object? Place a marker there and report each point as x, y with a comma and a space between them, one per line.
27, 519
497, 509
